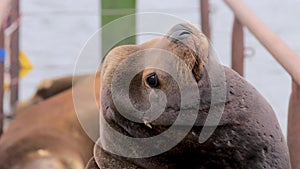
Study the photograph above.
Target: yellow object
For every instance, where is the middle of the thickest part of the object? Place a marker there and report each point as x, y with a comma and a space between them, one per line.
25, 67
6, 86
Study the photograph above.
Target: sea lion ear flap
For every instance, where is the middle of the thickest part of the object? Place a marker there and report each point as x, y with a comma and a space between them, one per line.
201, 57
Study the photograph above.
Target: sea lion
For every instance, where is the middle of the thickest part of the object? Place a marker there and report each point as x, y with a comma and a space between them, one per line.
48, 88
247, 136
49, 135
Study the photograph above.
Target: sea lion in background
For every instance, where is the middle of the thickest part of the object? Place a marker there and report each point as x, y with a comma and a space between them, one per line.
49, 135
248, 135
48, 88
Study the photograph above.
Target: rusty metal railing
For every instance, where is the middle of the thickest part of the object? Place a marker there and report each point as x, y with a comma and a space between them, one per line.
4, 8
9, 48
290, 61
237, 47
205, 17
1, 79
293, 135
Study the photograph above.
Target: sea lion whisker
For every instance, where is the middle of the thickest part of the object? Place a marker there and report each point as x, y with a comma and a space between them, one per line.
147, 123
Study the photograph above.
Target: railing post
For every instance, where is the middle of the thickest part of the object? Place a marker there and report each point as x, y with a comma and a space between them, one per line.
205, 18
237, 47
2, 58
14, 56
4, 9
293, 136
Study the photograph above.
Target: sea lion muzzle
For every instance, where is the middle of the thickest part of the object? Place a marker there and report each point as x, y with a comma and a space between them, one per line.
180, 32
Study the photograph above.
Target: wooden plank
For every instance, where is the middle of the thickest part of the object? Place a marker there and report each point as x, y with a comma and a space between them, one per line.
112, 10
293, 136
205, 23
280, 51
237, 47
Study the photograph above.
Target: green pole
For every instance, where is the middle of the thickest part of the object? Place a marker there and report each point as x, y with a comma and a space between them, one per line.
112, 10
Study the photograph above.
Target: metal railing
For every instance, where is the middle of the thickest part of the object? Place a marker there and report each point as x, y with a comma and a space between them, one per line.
9, 48
290, 61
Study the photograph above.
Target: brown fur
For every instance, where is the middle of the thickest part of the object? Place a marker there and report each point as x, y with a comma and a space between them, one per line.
47, 135
48, 88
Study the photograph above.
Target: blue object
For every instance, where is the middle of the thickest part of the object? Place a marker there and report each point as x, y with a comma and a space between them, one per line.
2, 55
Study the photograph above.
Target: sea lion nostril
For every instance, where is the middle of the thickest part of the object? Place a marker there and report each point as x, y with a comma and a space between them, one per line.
180, 32
185, 33
180, 35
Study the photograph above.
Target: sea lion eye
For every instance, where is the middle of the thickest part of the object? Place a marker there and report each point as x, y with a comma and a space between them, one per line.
152, 80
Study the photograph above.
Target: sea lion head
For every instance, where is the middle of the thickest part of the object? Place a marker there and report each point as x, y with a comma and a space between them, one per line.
182, 53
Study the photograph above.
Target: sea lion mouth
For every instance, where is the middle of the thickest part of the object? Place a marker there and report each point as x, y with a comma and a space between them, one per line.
142, 130
134, 129
161, 124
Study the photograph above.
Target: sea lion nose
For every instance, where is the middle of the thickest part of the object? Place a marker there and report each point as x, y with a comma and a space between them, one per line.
180, 32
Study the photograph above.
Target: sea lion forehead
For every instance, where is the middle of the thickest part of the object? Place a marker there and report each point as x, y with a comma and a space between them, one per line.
185, 41
178, 32
193, 49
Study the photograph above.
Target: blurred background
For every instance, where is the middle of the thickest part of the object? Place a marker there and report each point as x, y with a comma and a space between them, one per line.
53, 33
